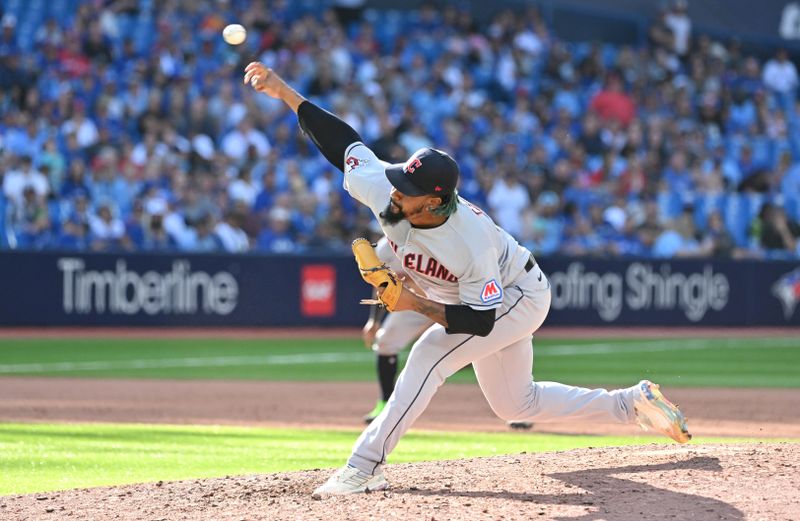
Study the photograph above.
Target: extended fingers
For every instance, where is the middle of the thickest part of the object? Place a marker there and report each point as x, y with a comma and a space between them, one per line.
254, 72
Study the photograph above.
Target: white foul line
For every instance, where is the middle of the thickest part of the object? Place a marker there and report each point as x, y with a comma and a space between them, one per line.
658, 345
164, 363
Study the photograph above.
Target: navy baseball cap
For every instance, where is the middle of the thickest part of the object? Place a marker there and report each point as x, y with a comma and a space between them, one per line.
427, 172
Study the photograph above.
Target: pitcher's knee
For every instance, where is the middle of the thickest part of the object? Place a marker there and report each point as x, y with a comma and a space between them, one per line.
386, 349
518, 407
510, 413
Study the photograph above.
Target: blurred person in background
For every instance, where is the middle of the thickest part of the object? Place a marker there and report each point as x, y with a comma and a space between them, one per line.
613, 103
243, 188
679, 23
52, 159
780, 74
206, 240
680, 237
74, 233
716, 241
677, 177
542, 225
156, 237
230, 233
304, 219
507, 78
786, 180
134, 237
507, 200
18, 179
31, 220
277, 235
774, 232
236, 143
106, 229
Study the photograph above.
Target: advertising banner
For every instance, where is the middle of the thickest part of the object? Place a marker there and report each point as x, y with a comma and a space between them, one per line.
180, 290
55, 289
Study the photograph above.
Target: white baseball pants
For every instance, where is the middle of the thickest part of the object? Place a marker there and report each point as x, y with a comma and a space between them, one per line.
503, 363
398, 330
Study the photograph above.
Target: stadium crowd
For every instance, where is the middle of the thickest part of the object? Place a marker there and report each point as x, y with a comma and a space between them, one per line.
124, 125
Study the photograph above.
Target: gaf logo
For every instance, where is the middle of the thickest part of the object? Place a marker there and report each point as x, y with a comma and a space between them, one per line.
491, 292
787, 290
318, 290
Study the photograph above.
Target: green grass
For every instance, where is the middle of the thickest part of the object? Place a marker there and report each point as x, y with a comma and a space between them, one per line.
39, 457
43, 457
746, 362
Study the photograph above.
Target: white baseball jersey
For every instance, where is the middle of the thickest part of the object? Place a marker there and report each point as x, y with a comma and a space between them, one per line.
399, 328
385, 252
467, 260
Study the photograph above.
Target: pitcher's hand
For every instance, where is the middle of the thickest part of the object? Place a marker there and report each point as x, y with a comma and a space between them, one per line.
263, 79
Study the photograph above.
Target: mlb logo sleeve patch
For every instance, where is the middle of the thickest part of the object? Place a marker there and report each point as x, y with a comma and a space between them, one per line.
492, 292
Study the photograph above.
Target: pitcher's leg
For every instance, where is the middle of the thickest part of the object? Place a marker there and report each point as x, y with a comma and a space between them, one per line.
397, 331
506, 381
434, 357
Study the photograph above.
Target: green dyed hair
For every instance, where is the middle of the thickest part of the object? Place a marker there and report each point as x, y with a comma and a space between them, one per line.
448, 206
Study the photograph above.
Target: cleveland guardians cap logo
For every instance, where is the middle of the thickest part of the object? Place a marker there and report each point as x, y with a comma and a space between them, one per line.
411, 165
427, 172
787, 290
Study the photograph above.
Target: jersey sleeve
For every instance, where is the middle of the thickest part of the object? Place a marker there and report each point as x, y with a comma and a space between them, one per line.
481, 287
365, 178
386, 254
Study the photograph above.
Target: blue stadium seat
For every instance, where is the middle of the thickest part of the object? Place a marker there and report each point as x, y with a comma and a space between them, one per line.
778, 147
143, 33
126, 24
670, 204
582, 197
762, 149
609, 53
753, 204
54, 210
704, 204
3, 241
14, 7
792, 207
580, 50
59, 9
735, 218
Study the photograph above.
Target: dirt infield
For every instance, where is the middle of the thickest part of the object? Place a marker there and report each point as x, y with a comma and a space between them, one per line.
754, 481
656, 482
664, 481
711, 412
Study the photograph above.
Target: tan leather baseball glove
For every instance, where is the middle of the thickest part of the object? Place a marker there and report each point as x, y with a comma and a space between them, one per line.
377, 274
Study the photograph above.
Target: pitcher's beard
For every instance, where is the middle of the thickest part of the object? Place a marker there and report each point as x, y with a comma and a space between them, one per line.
391, 216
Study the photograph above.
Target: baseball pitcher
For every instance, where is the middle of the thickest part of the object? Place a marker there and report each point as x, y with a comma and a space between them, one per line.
387, 335
485, 294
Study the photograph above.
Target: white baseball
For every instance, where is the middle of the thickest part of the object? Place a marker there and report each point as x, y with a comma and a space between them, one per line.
234, 34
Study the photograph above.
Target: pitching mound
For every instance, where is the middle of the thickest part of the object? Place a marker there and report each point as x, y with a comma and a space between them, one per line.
754, 481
